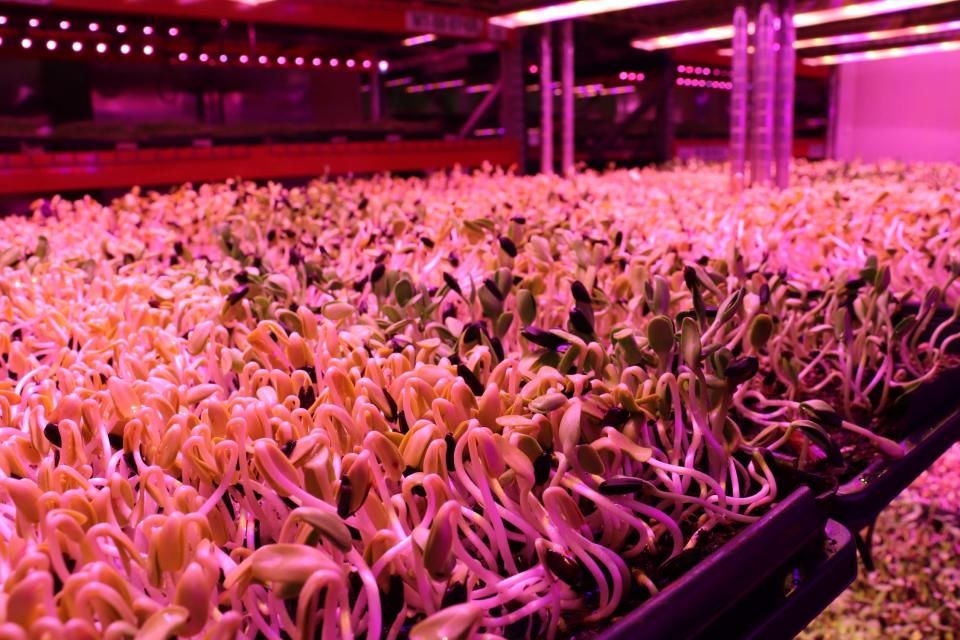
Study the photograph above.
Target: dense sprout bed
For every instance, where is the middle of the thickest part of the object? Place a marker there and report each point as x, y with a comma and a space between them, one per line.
473, 404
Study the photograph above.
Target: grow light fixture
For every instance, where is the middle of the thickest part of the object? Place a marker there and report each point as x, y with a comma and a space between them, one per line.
415, 40
568, 10
801, 20
884, 34
883, 54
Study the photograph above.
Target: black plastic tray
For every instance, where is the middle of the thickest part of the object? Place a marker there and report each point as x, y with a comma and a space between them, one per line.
796, 593
935, 410
691, 603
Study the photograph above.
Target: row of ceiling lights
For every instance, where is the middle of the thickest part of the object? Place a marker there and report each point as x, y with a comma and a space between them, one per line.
78, 46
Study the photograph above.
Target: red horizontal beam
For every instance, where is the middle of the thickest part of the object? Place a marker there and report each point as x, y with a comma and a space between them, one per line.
29, 173
358, 15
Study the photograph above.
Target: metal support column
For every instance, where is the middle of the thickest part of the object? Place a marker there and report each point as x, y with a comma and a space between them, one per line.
786, 88
763, 89
567, 80
546, 100
738, 99
513, 96
376, 98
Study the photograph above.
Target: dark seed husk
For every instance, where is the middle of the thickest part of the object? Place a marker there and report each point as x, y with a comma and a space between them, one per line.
564, 568
344, 497
541, 467
451, 445
237, 294
690, 278
497, 347
471, 379
377, 272
580, 293
451, 282
288, 447
543, 338
615, 417
764, 293
621, 486
52, 433
427, 242
508, 247
493, 288
741, 370
580, 322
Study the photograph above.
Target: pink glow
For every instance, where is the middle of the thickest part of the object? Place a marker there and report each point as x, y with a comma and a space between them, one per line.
173, 31
801, 20
51, 45
124, 49
148, 50
533, 68
34, 23
367, 64
101, 48
77, 46
317, 62
223, 57
568, 10
298, 61
417, 40
382, 66
3, 19
94, 26
262, 59
350, 63
121, 28
479, 88
334, 62
64, 24
204, 57
183, 57
244, 58
148, 31
883, 54
281, 60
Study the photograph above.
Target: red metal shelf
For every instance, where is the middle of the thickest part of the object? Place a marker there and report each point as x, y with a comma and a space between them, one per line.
43, 172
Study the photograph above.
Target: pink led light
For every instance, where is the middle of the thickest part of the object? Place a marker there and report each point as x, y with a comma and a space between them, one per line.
568, 10
183, 57
33, 22
883, 54
416, 40
101, 47
366, 64
479, 88
94, 26
173, 32
623, 75
223, 57
244, 58
204, 57
121, 28
801, 20
148, 31
51, 45
350, 63
64, 24
262, 59
317, 62
281, 60
383, 66
77, 47
124, 49
334, 62
533, 68
883, 34
3, 19
148, 50
298, 61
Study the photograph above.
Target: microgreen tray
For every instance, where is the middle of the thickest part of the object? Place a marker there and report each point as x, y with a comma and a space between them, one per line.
691, 603
796, 593
933, 413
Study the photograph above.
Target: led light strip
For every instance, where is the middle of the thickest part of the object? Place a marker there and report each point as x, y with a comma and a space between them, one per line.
801, 20
415, 40
885, 34
568, 10
883, 54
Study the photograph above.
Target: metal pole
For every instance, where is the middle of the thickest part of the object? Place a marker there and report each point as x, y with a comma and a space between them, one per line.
763, 85
566, 77
546, 100
833, 113
376, 104
786, 88
738, 99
